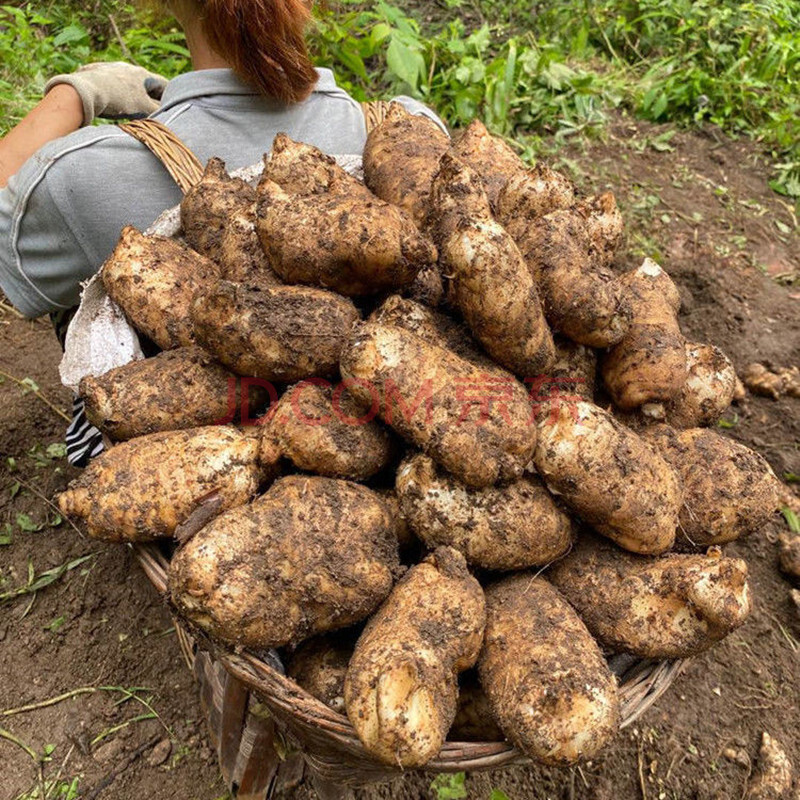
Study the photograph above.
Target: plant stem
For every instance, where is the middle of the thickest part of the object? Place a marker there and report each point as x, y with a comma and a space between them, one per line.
51, 702
25, 485
9, 737
38, 394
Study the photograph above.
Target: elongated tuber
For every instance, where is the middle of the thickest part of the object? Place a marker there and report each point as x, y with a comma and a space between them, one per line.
548, 684
706, 393
353, 245
604, 225
177, 389
649, 363
728, 490
503, 528
319, 666
401, 157
608, 475
582, 298
489, 156
241, 257
206, 207
493, 288
321, 429
147, 488
532, 193
154, 280
476, 425
673, 606
401, 689
309, 556
278, 333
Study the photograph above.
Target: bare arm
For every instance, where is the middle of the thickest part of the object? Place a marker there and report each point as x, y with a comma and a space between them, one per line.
58, 114
111, 90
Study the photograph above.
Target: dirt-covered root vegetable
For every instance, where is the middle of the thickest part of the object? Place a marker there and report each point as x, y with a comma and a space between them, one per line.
476, 425
767, 383
428, 287
706, 393
207, 205
474, 721
728, 490
604, 225
789, 555
319, 666
302, 169
582, 299
279, 333
340, 241
649, 364
177, 389
401, 689
405, 536
493, 288
574, 371
533, 193
154, 280
609, 476
548, 685
322, 429
311, 555
241, 257
437, 329
165, 484
489, 156
401, 157
501, 528
772, 778
672, 606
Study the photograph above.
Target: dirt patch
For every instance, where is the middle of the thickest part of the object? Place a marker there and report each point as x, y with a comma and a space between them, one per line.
99, 625
700, 204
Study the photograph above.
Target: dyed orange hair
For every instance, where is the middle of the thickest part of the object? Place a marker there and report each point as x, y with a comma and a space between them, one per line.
263, 41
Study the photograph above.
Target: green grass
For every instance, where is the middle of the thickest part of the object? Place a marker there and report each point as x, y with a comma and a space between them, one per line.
38, 41
552, 69
558, 68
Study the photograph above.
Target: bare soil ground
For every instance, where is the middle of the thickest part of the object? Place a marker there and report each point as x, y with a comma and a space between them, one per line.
701, 205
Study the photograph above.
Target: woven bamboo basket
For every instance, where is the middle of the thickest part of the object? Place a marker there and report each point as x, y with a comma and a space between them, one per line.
268, 732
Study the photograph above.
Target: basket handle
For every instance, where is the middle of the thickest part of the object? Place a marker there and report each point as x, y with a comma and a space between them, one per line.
184, 166
181, 163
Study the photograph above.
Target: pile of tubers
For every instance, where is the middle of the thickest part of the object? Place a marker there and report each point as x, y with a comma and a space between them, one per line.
484, 460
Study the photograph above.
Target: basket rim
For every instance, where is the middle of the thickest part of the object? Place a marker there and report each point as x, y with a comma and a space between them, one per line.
642, 686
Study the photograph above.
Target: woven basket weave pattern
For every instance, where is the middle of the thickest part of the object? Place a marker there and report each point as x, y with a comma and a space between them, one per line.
330, 742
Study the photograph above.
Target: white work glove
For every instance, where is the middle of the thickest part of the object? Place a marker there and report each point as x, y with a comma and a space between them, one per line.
114, 90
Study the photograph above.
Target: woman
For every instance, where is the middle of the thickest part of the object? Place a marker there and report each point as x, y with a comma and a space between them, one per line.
69, 191
70, 187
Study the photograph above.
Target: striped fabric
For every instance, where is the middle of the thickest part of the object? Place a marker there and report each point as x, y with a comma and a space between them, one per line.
84, 441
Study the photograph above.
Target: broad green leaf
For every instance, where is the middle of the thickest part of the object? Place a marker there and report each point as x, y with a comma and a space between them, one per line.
450, 787
26, 524
70, 34
379, 34
406, 63
56, 450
